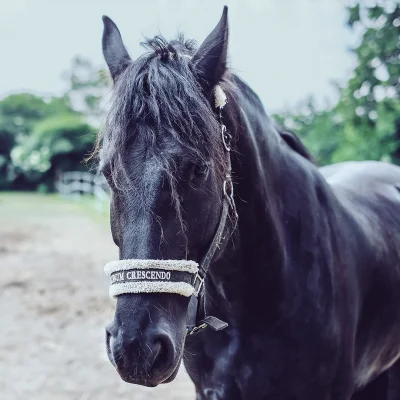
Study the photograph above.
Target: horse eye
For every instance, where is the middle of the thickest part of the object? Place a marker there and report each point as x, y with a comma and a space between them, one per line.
200, 170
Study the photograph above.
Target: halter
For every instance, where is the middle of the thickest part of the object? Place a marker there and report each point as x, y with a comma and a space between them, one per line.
184, 277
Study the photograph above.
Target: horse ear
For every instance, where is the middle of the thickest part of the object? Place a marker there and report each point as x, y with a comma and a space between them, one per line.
210, 59
114, 51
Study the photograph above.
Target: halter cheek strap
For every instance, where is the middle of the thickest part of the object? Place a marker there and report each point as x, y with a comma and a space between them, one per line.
197, 316
182, 277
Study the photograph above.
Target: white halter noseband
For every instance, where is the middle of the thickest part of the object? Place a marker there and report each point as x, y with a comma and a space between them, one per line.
153, 276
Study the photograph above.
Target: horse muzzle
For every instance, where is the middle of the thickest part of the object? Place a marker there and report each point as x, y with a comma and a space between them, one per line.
142, 353
157, 306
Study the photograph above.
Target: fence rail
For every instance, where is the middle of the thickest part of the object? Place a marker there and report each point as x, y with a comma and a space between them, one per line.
74, 184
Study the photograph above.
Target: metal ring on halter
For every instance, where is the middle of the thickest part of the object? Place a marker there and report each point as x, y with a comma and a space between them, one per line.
228, 185
226, 137
197, 329
198, 287
228, 193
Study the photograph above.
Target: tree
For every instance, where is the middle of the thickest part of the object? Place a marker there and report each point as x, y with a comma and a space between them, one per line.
365, 123
56, 144
42, 136
87, 87
370, 103
18, 115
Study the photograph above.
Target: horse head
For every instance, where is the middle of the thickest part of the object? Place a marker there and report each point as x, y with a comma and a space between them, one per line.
166, 162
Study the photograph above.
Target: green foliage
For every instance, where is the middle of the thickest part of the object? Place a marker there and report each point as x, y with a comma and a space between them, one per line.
354, 15
365, 124
319, 130
40, 136
52, 139
19, 112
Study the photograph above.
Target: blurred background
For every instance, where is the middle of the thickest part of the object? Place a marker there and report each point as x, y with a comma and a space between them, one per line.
327, 69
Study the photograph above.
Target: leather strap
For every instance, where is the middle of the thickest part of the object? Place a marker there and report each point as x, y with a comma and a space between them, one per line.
197, 318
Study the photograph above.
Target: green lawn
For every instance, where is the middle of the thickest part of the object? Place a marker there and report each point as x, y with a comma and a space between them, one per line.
20, 205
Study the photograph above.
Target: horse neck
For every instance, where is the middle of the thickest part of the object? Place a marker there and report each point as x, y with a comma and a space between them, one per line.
267, 174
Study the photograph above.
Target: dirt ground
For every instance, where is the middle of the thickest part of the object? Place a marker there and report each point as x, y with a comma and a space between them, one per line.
54, 305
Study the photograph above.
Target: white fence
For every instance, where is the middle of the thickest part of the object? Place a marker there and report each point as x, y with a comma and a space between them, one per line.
74, 184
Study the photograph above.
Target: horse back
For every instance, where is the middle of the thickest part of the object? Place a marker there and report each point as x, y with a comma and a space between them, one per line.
369, 194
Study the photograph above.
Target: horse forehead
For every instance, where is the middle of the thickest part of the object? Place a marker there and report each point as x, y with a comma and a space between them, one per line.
150, 175
151, 168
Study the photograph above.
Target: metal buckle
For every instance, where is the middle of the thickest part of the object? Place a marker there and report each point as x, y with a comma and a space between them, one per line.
228, 193
198, 328
228, 189
198, 289
226, 138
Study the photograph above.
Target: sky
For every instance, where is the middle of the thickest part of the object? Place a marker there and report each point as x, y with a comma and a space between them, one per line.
286, 50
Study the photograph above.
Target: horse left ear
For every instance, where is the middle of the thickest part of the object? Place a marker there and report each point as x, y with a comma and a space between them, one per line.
210, 59
114, 51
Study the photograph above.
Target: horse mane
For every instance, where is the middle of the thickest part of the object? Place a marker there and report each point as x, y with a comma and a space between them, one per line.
165, 49
294, 142
288, 136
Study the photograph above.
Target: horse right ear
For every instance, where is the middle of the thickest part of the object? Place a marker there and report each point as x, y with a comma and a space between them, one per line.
210, 59
114, 51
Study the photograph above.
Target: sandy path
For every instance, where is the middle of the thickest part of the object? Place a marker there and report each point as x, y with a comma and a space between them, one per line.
54, 305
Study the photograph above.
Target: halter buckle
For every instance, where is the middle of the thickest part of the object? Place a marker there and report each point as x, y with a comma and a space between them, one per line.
198, 280
197, 328
226, 138
228, 189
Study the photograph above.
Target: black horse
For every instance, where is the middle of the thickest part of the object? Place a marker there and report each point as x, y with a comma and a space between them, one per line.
307, 269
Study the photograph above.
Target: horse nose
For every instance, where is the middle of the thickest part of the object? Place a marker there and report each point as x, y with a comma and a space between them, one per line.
137, 354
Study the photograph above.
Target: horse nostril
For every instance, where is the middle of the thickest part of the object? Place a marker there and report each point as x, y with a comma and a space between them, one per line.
108, 347
108, 340
164, 352
136, 355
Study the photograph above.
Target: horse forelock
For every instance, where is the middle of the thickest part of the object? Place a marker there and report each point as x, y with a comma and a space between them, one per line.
162, 47
157, 97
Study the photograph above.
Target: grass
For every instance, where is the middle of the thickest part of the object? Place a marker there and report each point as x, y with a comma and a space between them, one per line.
20, 205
